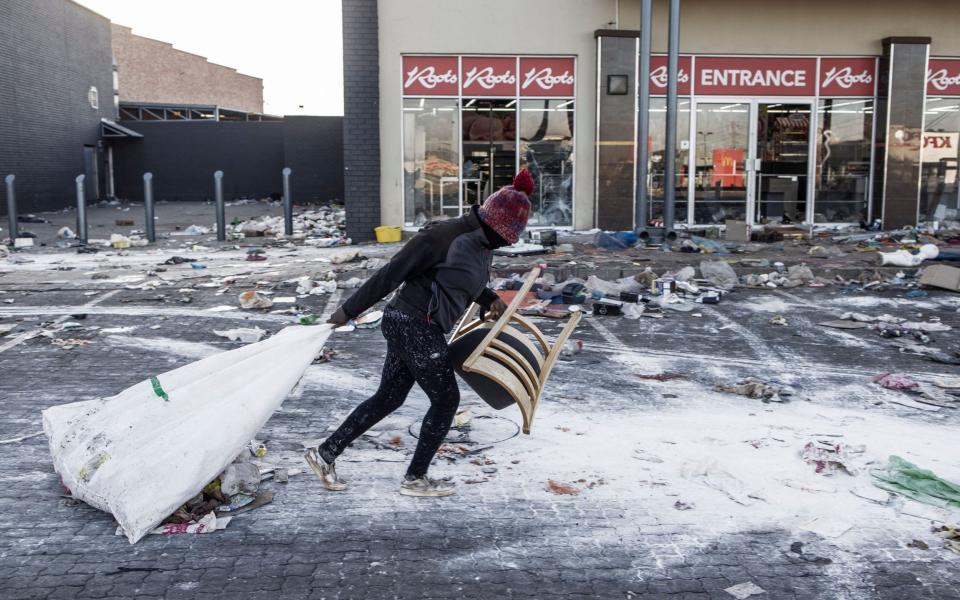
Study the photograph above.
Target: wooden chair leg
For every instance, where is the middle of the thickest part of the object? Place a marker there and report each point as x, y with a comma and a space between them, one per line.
503, 320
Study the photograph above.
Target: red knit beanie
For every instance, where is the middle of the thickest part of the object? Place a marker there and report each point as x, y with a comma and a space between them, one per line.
506, 211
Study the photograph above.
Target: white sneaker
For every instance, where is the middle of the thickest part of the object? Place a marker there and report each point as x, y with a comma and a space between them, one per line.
425, 487
327, 472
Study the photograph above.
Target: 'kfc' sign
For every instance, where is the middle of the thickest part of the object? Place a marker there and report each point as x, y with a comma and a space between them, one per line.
489, 76
744, 75
431, 75
546, 76
943, 77
658, 76
847, 76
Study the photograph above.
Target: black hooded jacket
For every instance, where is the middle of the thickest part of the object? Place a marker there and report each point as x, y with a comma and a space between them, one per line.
440, 271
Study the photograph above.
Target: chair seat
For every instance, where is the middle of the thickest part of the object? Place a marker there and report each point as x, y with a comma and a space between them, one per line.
489, 390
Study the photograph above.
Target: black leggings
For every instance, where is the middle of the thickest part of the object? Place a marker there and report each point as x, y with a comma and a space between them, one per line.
416, 353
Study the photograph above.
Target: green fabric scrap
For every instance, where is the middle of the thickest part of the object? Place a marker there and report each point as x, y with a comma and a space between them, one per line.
158, 389
310, 320
902, 477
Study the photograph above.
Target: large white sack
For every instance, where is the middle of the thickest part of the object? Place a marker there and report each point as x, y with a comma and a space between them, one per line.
140, 456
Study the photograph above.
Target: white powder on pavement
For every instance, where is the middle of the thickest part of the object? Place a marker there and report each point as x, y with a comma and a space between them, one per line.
768, 304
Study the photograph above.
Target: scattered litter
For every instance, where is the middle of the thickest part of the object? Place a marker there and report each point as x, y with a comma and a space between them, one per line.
561, 489
197, 265
902, 477
178, 260
828, 457
660, 376
779, 320
950, 536
680, 505
346, 256
23, 242
462, 418
65, 233
349, 284
754, 388
895, 381
719, 273
571, 348
250, 300
240, 477
904, 258
70, 343
741, 591
369, 320
208, 524
245, 335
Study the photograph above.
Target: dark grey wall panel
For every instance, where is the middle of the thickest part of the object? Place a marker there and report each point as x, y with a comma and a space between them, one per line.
313, 148
183, 156
51, 53
361, 118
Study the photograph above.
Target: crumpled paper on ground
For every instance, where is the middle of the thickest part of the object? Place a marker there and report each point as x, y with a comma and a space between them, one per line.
829, 457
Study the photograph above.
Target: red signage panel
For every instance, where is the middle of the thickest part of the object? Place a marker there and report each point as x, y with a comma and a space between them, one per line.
546, 76
754, 76
658, 76
489, 76
943, 77
847, 76
431, 75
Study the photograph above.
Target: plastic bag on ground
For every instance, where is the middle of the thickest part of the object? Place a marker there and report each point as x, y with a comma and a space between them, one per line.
144, 452
719, 274
905, 478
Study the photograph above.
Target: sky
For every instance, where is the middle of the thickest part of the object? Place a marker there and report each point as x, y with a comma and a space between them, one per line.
293, 45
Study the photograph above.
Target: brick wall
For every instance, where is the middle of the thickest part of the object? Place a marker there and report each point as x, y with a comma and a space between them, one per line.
154, 71
361, 118
51, 53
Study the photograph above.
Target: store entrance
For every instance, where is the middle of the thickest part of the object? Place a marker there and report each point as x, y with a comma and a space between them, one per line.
783, 161
752, 162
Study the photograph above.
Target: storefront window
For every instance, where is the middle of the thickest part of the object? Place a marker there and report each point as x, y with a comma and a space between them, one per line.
431, 159
722, 147
546, 150
656, 148
939, 194
844, 141
489, 148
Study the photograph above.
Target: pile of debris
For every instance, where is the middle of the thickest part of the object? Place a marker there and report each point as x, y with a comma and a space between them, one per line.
323, 226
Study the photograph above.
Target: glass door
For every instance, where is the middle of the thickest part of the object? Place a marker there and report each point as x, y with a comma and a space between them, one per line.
721, 179
489, 148
782, 162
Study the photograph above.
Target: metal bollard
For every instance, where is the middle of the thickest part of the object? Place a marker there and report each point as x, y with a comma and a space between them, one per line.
11, 207
221, 210
149, 217
287, 203
81, 211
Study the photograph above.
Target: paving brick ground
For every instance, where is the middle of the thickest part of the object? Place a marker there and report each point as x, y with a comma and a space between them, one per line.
507, 537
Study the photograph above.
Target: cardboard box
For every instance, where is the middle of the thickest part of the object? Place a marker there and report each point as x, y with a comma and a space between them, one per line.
941, 276
737, 231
